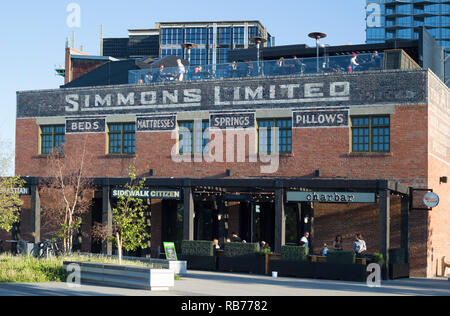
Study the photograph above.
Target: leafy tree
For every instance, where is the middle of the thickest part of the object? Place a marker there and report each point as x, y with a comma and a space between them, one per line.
10, 202
129, 220
130, 227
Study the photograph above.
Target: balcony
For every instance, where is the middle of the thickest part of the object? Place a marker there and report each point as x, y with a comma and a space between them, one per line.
286, 67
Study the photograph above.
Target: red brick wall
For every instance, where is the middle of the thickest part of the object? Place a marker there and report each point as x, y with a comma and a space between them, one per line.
324, 149
439, 166
82, 67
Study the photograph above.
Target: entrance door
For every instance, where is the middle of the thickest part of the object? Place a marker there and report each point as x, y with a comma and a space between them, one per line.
265, 223
206, 224
172, 221
257, 222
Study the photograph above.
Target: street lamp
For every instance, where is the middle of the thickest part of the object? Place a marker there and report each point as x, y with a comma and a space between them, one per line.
258, 41
317, 36
189, 47
447, 82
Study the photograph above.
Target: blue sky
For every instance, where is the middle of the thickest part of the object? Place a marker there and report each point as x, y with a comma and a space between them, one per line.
32, 35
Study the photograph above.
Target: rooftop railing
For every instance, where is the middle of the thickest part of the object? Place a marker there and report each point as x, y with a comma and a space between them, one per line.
282, 67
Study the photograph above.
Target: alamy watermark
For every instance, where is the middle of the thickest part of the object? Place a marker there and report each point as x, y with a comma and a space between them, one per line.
374, 278
244, 145
74, 17
74, 275
373, 15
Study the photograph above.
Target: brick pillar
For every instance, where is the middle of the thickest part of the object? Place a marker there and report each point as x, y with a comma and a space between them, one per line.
188, 223
107, 246
280, 220
35, 213
384, 228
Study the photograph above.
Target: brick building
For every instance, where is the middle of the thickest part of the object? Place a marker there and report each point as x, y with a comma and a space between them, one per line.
373, 135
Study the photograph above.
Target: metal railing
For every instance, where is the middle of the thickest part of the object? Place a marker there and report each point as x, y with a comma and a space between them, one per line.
282, 67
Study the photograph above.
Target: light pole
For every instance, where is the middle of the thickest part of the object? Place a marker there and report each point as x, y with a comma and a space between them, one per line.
189, 47
445, 68
317, 36
258, 41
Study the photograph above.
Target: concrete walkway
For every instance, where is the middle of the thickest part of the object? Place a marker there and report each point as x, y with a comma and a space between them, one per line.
229, 284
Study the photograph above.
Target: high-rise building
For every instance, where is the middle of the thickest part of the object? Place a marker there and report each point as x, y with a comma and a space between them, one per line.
140, 43
213, 39
394, 19
402, 19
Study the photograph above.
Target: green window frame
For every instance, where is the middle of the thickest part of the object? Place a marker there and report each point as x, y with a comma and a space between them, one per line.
122, 138
371, 134
53, 138
265, 139
193, 137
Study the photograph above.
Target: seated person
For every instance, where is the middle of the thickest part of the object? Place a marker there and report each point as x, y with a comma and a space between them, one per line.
216, 244
325, 250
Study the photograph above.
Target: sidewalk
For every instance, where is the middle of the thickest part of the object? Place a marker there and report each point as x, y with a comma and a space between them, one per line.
229, 284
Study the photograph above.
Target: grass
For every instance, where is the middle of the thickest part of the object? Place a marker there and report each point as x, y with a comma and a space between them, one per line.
31, 270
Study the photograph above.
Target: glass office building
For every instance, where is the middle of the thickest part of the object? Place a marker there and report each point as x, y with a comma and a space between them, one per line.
213, 39
402, 19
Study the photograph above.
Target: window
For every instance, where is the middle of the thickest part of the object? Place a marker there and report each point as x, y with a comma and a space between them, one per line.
371, 134
52, 139
122, 138
194, 137
265, 138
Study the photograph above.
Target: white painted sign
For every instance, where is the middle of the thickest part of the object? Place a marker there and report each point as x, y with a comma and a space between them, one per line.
431, 199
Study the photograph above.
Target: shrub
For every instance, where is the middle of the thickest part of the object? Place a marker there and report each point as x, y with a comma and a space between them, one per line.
378, 258
397, 256
197, 248
294, 253
241, 249
264, 251
341, 257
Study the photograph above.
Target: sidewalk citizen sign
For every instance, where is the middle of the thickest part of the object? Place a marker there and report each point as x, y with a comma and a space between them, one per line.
431, 199
331, 197
171, 252
147, 194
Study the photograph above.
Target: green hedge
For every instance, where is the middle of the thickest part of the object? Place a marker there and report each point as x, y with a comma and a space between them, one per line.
341, 257
241, 249
397, 256
294, 253
197, 248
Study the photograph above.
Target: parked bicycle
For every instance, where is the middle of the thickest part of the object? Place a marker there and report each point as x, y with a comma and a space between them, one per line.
46, 249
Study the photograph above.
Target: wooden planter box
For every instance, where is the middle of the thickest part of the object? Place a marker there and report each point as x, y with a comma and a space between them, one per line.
249, 264
319, 270
343, 272
296, 269
399, 271
201, 263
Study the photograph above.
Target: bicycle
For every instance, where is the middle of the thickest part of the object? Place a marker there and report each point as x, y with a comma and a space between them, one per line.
46, 249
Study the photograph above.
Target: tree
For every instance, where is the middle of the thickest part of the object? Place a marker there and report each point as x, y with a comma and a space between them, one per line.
130, 227
68, 192
10, 202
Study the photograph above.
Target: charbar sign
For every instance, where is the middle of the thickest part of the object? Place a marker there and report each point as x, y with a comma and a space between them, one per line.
228, 95
331, 197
